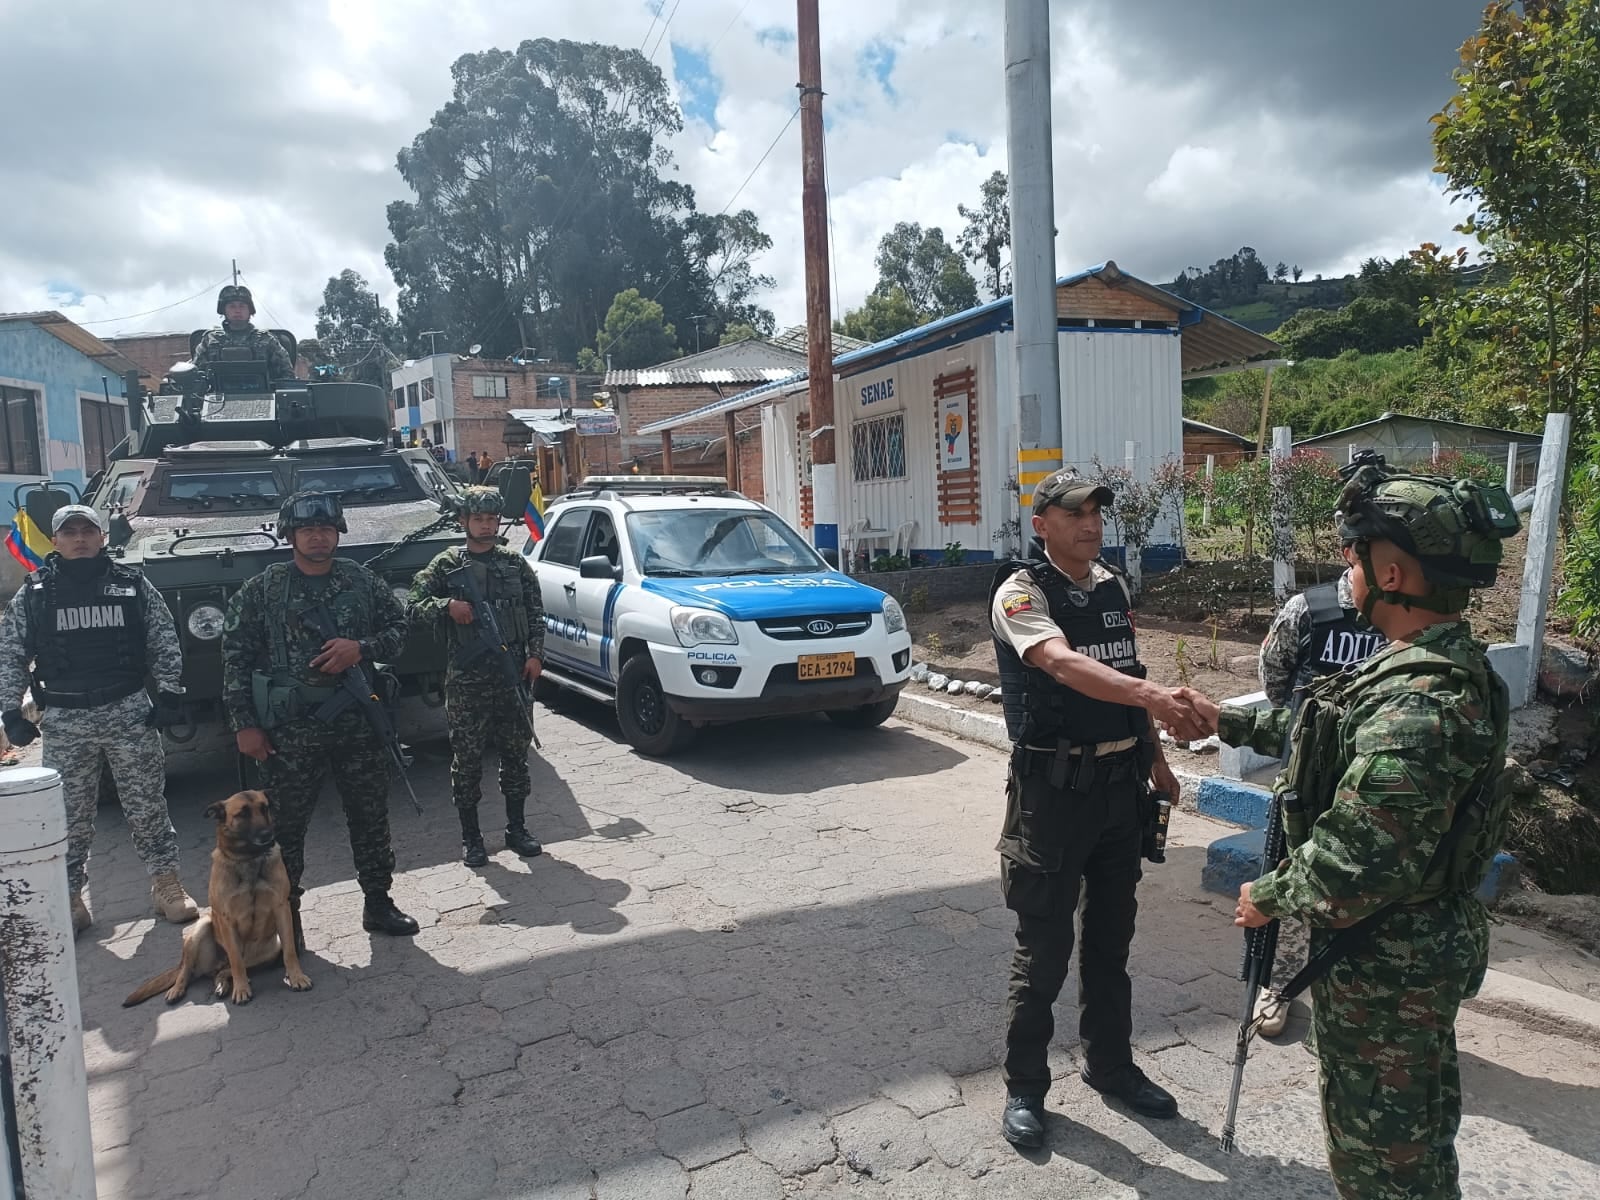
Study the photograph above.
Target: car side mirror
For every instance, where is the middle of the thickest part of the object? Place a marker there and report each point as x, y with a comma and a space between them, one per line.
516, 489
598, 566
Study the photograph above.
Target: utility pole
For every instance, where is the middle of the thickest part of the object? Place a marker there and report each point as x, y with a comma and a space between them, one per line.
819, 308
235, 272
1033, 245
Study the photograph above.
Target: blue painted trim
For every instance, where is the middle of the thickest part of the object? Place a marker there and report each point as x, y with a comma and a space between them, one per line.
575, 666
826, 537
608, 615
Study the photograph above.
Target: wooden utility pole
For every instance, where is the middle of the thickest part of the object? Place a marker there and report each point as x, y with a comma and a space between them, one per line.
819, 307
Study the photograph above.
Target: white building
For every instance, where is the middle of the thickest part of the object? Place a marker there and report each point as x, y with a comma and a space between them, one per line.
929, 446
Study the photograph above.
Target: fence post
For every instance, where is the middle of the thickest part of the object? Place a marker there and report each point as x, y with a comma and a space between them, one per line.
43, 1024
1511, 467
1205, 503
1435, 459
1282, 535
1130, 554
1539, 564
1352, 456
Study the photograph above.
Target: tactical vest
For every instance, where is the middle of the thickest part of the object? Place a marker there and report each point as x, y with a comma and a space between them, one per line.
287, 690
86, 637
506, 600
1339, 642
1316, 763
1040, 711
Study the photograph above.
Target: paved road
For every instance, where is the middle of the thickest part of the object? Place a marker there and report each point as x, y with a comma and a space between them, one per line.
774, 967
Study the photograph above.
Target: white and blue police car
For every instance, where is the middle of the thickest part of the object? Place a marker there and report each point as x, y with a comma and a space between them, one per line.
686, 604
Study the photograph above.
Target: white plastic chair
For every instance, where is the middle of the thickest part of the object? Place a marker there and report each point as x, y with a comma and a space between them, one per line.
904, 533
851, 532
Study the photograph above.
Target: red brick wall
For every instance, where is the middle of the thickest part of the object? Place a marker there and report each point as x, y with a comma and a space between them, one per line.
750, 478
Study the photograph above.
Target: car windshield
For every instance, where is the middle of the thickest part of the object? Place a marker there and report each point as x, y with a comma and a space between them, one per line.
370, 482
238, 488
717, 541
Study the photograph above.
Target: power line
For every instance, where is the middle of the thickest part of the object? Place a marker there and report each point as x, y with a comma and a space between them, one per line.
728, 27
153, 311
656, 16
664, 28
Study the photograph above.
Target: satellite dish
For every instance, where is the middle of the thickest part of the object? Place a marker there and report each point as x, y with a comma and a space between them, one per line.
475, 347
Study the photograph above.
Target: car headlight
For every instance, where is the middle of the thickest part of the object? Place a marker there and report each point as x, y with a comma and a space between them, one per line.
205, 622
694, 626
894, 617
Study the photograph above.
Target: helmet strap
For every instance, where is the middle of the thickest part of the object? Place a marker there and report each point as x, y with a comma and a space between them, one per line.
1452, 600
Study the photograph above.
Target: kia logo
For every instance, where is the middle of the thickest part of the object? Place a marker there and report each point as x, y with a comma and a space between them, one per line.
820, 628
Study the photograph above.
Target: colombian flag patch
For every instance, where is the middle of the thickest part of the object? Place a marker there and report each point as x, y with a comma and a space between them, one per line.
1012, 605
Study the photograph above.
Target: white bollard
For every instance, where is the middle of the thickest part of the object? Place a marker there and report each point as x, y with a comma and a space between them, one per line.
44, 1025
1283, 581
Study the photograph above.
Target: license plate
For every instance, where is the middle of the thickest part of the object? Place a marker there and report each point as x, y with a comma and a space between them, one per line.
826, 666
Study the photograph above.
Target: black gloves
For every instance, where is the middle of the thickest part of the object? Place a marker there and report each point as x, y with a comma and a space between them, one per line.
167, 712
19, 729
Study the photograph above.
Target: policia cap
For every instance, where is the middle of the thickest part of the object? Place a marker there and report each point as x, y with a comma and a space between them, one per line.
1069, 489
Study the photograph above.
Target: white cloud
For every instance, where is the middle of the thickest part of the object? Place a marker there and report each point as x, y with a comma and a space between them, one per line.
213, 134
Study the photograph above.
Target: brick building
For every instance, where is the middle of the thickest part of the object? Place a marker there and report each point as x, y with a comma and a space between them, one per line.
155, 353
652, 394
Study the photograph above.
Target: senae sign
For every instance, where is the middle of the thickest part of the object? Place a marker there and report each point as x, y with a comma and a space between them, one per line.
877, 391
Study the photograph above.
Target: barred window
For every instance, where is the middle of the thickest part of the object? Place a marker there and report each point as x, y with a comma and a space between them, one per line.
492, 386
878, 448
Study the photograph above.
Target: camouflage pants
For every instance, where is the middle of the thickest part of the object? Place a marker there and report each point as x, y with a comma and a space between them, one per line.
1391, 1089
75, 741
307, 752
482, 715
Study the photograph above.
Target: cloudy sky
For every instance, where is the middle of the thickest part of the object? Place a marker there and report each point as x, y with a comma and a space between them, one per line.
160, 141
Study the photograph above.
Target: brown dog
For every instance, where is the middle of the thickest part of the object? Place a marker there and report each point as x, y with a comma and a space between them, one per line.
248, 920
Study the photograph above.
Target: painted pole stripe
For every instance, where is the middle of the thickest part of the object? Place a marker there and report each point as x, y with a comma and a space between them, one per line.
1040, 455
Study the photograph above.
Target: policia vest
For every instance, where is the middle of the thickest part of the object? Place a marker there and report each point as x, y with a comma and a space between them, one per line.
1338, 639
1041, 712
85, 635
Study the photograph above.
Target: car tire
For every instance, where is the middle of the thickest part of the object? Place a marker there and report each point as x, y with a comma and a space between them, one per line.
868, 716
647, 720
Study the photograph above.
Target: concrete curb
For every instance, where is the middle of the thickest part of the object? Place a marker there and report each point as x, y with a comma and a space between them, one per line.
1539, 1007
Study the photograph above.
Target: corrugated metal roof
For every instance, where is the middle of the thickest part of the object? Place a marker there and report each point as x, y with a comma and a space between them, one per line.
689, 376
1340, 435
795, 338
76, 336
1208, 341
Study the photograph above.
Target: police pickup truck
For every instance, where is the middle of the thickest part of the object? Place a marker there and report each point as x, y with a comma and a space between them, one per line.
686, 605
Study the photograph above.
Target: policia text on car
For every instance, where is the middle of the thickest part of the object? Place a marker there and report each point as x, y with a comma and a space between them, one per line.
1079, 801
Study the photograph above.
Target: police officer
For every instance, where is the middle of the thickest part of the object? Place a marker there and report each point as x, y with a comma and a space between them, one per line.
277, 672
235, 306
1315, 633
1385, 761
481, 708
93, 628
1078, 710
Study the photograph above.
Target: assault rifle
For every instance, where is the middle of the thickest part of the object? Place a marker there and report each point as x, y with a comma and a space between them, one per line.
356, 689
1260, 948
493, 643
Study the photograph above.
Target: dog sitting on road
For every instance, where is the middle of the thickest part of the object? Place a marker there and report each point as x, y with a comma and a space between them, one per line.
248, 921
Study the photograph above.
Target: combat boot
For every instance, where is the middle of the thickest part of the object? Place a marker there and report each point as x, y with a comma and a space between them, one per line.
381, 916
81, 916
518, 839
472, 852
171, 901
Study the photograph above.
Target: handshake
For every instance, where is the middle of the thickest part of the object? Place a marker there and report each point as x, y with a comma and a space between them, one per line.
1185, 713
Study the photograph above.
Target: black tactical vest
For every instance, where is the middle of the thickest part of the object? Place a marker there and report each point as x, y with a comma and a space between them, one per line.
1040, 711
1338, 639
87, 635
502, 596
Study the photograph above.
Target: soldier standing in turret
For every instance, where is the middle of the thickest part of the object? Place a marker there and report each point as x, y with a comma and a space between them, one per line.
277, 672
1386, 760
235, 306
93, 628
480, 707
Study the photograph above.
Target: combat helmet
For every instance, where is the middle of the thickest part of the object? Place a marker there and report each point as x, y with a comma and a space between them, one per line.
481, 499
232, 292
311, 508
1452, 527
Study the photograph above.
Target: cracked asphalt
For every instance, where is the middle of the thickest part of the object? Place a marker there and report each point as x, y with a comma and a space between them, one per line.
773, 967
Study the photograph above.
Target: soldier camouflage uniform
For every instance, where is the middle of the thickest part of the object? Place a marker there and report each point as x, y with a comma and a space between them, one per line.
259, 342
481, 707
1385, 762
268, 682
119, 729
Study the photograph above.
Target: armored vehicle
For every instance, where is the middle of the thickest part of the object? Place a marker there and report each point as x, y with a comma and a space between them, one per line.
191, 496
